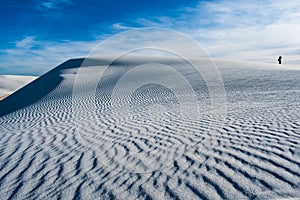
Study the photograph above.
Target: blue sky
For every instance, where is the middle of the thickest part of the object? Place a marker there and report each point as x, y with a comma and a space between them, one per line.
37, 35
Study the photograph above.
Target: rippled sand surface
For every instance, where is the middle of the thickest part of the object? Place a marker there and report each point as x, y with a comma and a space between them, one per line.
53, 146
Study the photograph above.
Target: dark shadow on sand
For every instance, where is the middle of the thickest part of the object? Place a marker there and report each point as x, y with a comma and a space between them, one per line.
37, 89
43, 85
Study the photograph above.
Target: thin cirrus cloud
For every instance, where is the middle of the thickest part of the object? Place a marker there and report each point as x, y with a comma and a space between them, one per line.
27, 42
45, 5
52, 9
241, 30
256, 30
34, 57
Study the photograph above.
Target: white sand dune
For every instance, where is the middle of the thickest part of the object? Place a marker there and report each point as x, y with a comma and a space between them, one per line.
56, 146
11, 83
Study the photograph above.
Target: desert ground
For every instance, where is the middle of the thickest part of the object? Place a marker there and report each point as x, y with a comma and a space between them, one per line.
59, 140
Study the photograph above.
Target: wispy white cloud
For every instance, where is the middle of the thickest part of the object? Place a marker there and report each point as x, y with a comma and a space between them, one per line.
45, 5
245, 30
27, 42
120, 27
261, 30
35, 57
52, 9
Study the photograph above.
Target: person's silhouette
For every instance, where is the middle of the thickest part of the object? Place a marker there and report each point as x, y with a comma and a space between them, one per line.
279, 59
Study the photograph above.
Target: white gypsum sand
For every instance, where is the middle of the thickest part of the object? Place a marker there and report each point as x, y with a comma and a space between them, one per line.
11, 83
57, 146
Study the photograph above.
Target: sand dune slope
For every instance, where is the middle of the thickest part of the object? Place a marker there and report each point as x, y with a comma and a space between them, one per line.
55, 144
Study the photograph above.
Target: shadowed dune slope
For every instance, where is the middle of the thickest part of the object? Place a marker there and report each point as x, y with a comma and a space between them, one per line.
37, 89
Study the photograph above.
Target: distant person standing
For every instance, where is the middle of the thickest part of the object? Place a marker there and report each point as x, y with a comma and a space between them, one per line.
279, 59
